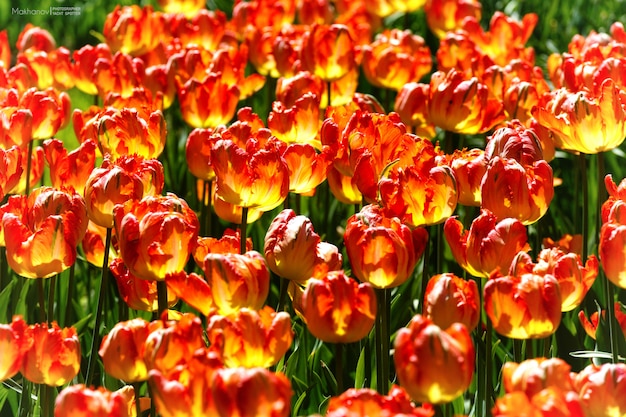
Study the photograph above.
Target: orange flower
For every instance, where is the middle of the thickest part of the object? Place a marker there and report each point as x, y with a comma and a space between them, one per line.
509, 189
52, 69
189, 8
195, 95
45, 228
575, 279
591, 324
93, 245
237, 281
121, 74
156, 235
85, 60
128, 131
185, 390
365, 402
16, 124
298, 123
232, 213
251, 338
262, 13
192, 289
76, 400
50, 110
434, 365
254, 177
206, 28
243, 392
449, 299
328, 51
343, 187
612, 249
70, 170
523, 307
584, 122
52, 354
469, 167
11, 169
293, 250
139, 294
533, 375
395, 58
307, 168
419, 196
35, 38
37, 167
133, 29
230, 242
489, 245
462, 105
122, 349
601, 389
12, 347
412, 106
119, 180
290, 89
171, 343
5, 50
382, 250
514, 141
550, 401
198, 153
444, 16
337, 309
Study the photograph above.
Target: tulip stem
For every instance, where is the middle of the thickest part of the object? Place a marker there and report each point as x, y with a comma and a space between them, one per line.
206, 214
70, 295
104, 283
488, 365
330, 93
585, 208
42, 300
382, 344
161, 297
4, 273
244, 230
136, 388
52, 284
611, 320
29, 162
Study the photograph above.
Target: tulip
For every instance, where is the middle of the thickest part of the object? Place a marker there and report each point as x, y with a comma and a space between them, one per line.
189, 8
382, 250
290, 89
462, 105
337, 309
133, 29
230, 242
45, 229
395, 58
575, 279
52, 354
524, 307
298, 123
119, 180
533, 375
549, 401
156, 235
185, 390
582, 122
122, 350
121, 74
434, 365
251, 338
12, 346
5, 50
79, 400
469, 167
489, 245
514, 141
70, 169
412, 106
590, 325
612, 252
328, 51
449, 299
237, 281
257, 178
131, 132
192, 289
195, 95
198, 154
85, 60
264, 13
93, 245
448, 15
16, 125
292, 248
243, 392
307, 168
37, 166
206, 28
53, 69
343, 187
601, 389
366, 402
11, 169
50, 110
171, 343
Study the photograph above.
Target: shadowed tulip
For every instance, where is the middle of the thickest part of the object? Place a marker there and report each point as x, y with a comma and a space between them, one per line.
80, 401
11, 169
434, 365
365, 402
449, 299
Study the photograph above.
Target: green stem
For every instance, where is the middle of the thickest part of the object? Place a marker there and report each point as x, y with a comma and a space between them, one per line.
330, 94
4, 272
42, 300
29, 162
206, 212
244, 229
585, 208
162, 297
382, 344
425, 267
70, 295
282, 298
610, 317
136, 388
104, 283
488, 366
26, 402
52, 283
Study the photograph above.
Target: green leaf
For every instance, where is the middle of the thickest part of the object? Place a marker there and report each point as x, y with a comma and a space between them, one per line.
5, 296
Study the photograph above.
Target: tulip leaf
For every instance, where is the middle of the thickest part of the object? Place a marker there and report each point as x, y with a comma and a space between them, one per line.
5, 296
360, 377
